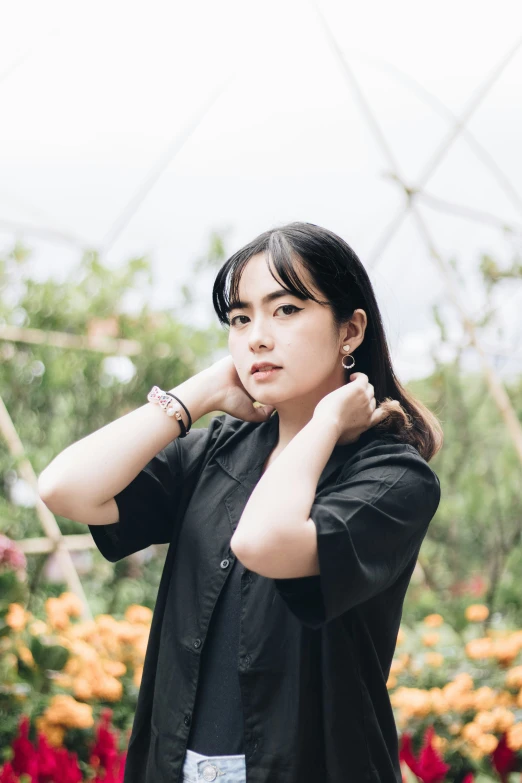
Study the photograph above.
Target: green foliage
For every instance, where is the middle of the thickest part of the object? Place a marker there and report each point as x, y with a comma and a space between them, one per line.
58, 395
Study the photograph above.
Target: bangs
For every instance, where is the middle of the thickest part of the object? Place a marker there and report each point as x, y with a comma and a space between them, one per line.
285, 261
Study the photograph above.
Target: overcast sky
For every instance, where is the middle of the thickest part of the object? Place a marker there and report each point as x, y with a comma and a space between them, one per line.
236, 117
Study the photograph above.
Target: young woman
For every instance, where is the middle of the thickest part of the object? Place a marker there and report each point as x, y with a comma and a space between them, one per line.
294, 529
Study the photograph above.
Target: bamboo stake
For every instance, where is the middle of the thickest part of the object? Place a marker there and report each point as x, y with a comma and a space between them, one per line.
46, 517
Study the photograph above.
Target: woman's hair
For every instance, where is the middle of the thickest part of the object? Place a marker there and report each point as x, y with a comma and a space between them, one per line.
339, 274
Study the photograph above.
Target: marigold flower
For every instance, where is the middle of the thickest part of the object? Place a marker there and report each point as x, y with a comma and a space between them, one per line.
487, 743
26, 655
16, 617
430, 639
479, 648
514, 737
108, 689
434, 659
514, 677
485, 698
82, 688
433, 620
476, 613
72, 604
51, 731
138, 614
114, 668
66, 711
486, 720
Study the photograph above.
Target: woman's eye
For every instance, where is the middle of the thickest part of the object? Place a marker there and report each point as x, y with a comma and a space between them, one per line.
281, 307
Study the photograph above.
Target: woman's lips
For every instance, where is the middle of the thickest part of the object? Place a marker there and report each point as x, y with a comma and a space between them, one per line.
261, 374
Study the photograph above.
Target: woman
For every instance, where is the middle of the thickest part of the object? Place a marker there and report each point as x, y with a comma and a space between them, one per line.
293, 529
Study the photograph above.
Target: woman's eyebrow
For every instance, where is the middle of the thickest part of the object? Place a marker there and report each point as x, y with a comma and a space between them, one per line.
241, 305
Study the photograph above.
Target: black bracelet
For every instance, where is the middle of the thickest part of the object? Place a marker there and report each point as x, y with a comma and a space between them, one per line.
184, 430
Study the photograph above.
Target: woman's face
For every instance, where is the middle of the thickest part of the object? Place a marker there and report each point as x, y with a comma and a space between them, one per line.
296, 335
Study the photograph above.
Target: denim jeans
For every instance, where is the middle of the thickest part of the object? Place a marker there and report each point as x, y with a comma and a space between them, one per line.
221, 769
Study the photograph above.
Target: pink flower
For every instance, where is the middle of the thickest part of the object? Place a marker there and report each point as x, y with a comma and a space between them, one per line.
10, 555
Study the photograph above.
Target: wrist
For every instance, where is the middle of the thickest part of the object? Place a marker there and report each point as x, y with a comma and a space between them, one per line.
194, 394
329, 423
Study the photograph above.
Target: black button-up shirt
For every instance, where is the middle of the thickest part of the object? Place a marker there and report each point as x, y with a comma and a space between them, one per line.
314, 652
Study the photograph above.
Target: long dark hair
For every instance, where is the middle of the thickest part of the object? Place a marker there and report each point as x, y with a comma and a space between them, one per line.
339, 274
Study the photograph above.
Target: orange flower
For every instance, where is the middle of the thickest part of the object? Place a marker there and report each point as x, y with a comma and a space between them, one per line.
476, 613
72, 604
16, 617
434, 659
479, 648
138, 614
430, 639
433, 620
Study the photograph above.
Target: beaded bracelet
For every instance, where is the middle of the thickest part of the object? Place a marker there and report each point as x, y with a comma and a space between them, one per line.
164, 400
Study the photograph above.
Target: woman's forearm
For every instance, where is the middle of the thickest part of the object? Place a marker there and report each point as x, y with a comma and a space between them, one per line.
97, 467
284, 495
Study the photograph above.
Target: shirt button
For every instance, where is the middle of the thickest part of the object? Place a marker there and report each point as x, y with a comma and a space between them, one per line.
225, 563
209, 772
197, 643
186, 719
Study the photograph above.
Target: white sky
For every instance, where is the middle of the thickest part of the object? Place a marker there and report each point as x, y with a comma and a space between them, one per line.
264, 128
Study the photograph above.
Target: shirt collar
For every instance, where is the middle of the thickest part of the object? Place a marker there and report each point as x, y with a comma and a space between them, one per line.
249, 446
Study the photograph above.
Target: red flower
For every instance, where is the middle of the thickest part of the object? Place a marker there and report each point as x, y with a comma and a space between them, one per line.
504, 759
429, 767
7, 774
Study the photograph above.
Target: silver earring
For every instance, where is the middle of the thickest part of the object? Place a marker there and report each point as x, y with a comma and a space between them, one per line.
347, 348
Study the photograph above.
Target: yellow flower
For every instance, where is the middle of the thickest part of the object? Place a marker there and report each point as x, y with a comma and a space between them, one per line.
109, 689
485, 698
486, 720
56, 614
16, 617
66, 711
82, 688
487, 743
471, 731
114, 668
433, 620
52, 732
475, 613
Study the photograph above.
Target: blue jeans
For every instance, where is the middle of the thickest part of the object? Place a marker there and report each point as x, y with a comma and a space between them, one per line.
221, 769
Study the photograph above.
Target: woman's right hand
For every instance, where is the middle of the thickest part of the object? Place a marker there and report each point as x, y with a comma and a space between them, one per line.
229, 395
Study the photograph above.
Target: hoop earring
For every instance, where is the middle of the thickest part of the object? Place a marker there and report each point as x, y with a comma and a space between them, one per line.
347, 348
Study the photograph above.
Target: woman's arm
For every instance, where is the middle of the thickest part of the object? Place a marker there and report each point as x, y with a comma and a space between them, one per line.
81, 481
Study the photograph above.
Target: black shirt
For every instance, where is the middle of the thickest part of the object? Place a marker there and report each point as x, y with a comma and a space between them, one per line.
217, 727
315, 652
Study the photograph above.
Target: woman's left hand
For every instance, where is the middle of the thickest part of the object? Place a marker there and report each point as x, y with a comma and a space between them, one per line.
352, 408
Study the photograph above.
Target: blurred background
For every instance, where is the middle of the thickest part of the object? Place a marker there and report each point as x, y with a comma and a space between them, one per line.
140, 146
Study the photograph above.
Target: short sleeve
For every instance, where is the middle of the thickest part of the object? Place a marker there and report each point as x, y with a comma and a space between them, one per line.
370, 525
148, 506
